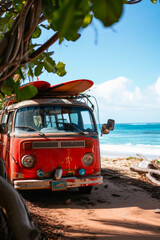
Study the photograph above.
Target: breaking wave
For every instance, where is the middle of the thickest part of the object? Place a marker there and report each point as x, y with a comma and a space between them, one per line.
129, 150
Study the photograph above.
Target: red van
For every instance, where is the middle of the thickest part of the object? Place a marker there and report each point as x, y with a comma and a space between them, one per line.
51, 143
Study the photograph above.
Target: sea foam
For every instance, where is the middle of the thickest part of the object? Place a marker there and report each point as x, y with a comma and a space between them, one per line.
129, 150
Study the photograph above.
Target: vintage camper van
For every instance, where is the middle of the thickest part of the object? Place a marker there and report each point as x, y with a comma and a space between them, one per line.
52, 143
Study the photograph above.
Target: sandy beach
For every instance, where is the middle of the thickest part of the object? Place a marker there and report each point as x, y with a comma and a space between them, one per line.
123, 208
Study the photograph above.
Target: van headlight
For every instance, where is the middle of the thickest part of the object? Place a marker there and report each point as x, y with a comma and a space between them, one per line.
28, 161
88, 159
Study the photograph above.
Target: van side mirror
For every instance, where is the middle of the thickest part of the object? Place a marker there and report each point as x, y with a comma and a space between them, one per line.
3, 128
108, 127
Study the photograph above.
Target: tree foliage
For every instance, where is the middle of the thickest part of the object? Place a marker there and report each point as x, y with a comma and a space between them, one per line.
22, 21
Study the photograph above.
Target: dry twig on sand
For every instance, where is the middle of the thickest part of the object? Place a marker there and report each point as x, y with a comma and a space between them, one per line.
150, 167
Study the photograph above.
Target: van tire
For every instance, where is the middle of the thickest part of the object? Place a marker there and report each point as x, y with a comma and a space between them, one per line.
85, 190
2, 169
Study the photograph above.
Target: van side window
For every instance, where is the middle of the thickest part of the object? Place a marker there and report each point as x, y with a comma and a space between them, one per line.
0, 117
4, 117
9, 122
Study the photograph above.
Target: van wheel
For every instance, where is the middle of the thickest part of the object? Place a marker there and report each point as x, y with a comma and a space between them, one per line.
85, 190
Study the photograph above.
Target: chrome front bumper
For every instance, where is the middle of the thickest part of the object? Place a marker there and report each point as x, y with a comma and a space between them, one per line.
48, 183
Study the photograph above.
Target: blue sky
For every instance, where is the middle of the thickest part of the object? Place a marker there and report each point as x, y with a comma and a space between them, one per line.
123, 61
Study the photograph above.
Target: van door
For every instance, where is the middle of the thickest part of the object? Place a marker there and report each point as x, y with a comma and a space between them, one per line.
3, 120
6, 155
0, 137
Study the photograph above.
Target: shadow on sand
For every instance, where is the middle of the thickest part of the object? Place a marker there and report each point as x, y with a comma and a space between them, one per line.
107, 196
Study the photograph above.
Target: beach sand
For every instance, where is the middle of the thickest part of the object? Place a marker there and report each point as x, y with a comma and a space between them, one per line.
123, 208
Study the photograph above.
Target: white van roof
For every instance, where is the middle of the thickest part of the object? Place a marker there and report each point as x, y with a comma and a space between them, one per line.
49, 101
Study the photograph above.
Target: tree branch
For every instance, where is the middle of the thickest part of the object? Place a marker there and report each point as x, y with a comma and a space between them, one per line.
11, 72
132, 1
4, 7
41, 49
36, 17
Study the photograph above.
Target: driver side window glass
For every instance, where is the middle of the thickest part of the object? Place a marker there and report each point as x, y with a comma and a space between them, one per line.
9, 122
88, 123
37, 121
50, 121
74, 118
4, 118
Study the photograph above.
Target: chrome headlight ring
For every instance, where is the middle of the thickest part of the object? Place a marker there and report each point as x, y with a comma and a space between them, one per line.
28, 161
88, 159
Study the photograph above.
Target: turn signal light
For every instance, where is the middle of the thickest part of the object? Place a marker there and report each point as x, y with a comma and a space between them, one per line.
88, 143
40, 173
27, 145
82, 172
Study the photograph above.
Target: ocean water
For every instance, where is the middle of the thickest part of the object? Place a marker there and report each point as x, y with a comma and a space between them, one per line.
129, 139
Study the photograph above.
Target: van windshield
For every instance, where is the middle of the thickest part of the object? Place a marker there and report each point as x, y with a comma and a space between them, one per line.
52, 119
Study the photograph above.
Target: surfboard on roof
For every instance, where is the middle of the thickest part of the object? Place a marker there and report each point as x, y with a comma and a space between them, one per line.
70, 88
73, 87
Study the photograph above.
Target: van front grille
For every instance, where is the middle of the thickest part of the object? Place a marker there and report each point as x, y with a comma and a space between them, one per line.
58, 144
72, 144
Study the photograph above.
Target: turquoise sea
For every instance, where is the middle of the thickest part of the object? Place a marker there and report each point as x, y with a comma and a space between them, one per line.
128, 139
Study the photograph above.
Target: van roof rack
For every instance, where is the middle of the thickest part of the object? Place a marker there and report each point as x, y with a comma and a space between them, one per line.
11, 100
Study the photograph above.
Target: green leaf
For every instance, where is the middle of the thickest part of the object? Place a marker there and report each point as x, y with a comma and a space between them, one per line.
61, 69
47, 54
4, 23
48, 8
30, 72
26, 92
69, 18
8, 88
35, 62
49, 64
18, 5
61, 40
108, 11
9, 83
154, 1
37, 32
9, 15
21, 73
87, 20
38, 70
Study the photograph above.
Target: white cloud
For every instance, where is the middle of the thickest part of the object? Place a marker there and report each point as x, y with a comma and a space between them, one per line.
119, 98
117, 92
157, 86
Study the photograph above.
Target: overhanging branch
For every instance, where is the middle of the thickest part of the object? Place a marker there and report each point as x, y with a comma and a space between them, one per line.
41, 49
132, 1
15, 44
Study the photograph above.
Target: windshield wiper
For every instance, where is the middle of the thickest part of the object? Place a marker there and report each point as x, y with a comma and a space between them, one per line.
31, 129
74, 127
